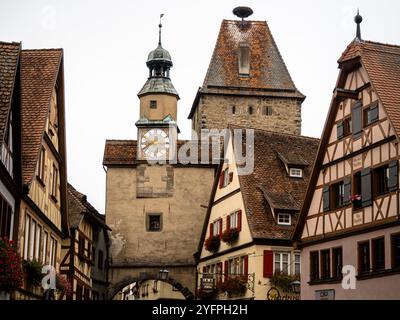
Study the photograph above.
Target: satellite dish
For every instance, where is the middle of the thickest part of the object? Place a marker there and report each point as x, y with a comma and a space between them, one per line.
242, 12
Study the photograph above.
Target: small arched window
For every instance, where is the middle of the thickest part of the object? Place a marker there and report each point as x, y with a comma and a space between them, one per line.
250, 110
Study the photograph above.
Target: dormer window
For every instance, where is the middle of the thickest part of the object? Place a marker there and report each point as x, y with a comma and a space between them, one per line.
284, 219
244, 60
296, 173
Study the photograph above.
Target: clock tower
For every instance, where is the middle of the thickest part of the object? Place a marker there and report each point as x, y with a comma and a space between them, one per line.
157, 127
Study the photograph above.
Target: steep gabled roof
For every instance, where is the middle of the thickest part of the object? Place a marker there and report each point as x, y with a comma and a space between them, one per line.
382, 64
79, 208
9, 56
39, 71
270, 187
268, 72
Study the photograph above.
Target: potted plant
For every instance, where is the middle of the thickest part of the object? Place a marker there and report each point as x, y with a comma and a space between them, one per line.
284, 281
229, 236
212, 243
63, 285
356, 200
33, 272
11, 273
234, 286
207, 294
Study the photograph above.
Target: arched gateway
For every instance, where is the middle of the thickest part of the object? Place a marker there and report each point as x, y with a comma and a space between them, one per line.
118, 286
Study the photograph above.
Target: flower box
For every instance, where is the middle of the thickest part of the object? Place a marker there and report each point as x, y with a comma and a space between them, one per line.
11, 273
356, 200
212, 244
230, 236
234, 285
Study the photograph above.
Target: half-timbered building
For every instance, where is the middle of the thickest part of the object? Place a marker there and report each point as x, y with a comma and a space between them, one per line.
246, 238
350, 216
10, 139
78, 252
43, 211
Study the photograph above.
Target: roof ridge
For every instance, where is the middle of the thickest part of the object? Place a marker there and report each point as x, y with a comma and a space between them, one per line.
382, 44
245, 21
43, 49
274, 132
10, 43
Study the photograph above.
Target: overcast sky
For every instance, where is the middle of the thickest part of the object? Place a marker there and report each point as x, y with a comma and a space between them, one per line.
106, 45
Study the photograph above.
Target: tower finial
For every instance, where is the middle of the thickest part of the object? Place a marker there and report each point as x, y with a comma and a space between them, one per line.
358, 19
159, 31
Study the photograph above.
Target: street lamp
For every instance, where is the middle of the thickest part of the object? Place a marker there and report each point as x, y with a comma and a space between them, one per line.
296, 286
163, 273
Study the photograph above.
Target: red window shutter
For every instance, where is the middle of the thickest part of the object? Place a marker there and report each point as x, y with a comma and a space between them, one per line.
228, 222
211, 230
221, 179
204, 269
220, 267
226, 271
220, 227
268, 263
246, 265
239, 224
230, 176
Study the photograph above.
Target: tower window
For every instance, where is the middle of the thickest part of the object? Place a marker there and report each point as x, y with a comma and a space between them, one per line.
154, 222
153, 104
244, 59
267, 111
250, 110
232, 109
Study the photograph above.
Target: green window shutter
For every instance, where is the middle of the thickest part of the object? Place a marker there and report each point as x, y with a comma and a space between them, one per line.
366, 187
347, 190
325, 198
340, 129
357, 119
393, 176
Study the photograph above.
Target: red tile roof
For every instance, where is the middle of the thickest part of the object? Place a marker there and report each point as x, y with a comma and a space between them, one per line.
382, 63
39, 71
124, 152
79, 207
270, 187
267, 68
9, 55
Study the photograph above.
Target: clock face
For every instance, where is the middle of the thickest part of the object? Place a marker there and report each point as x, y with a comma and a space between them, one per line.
155, 144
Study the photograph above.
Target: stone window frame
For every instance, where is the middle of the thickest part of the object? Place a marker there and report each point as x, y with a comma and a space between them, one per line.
148, 214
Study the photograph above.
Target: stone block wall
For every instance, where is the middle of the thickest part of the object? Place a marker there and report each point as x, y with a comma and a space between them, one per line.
215, 112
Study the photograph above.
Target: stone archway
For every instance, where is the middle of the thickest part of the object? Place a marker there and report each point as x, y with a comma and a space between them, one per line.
114, 289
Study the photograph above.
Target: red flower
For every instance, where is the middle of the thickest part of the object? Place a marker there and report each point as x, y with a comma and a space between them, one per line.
11, 274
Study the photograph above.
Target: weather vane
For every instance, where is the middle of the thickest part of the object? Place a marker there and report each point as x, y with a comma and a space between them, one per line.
159, 31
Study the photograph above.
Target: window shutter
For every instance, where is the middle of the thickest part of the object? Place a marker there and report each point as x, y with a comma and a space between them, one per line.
211, 230
325, 198
230, 176
221, 180
393, 176
347, 190
268, 263
366, 190
357, 119
220, 227
228, 222
226, 271
374, 112
340, 130
204, 269
246, 265
239, 224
